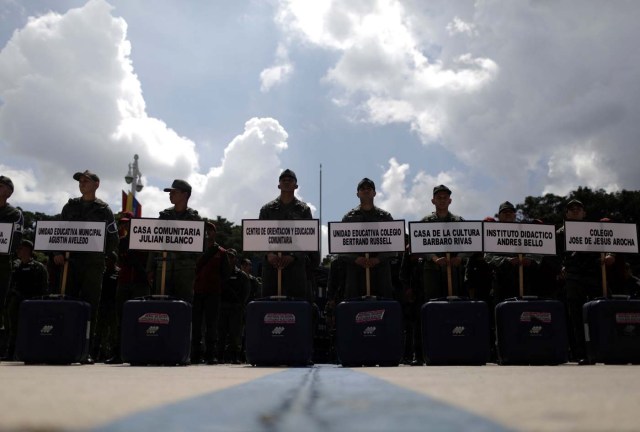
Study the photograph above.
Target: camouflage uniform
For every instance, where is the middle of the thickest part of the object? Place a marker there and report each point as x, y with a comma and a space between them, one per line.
234, 296
380, 275
181, 266
582, 283
294, 276
29, 279
86, 269
506, 280
435, 276
9, 214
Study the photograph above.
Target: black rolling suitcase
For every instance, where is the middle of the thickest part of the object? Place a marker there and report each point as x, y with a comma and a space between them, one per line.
53, 330
530, 330
278, 331
156, 330
455, 331
612, 330
369, 332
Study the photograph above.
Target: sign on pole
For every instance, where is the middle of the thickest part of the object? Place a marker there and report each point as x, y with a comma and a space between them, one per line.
519, 238
6, 233
297, 235
600, 237
70, 236
366, 237
166, 235
440, 237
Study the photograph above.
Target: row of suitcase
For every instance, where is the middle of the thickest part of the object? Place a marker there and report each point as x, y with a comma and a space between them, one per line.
157, 330
529, 330
57, 330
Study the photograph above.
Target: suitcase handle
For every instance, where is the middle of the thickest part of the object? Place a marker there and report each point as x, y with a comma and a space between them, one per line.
616, 297
450, 299
528, 298
368, 298
279, 298
158, 297
54, 297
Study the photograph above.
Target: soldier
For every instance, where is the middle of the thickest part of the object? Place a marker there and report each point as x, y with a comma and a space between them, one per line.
256, 284
235, 293
377, 263
581, 272
506, 266
29, 279
181, 266
412, 299
435, 265
212, 270
8, 214
86, 269
291, 264
132, 278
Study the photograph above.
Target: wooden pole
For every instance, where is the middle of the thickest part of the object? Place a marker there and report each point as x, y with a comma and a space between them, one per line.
603, 267
449, 277
163, 279
279, 275
65, 269
367, 274
520, 275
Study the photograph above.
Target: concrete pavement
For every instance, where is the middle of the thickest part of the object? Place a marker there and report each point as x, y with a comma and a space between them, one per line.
325, 397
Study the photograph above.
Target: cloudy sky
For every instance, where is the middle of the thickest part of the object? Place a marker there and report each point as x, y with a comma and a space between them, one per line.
498, 100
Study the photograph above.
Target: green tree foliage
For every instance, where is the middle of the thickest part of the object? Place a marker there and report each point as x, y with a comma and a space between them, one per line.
30, 220
229, 236
623, 206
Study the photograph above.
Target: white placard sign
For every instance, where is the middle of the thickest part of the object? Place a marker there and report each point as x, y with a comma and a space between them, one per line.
68, 236
439, 237
6, 232
297, 235
519, 238
601, 237
363, 237
166, 235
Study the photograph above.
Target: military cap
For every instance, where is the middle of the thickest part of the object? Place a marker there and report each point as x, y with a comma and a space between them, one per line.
288, 173
441, 188
366, 182
575, 203
7, 182
506, 206
181, 185
27, 243
87, 174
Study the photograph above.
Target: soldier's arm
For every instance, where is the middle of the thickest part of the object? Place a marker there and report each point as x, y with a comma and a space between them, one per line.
43, 285
111, 245
18, 227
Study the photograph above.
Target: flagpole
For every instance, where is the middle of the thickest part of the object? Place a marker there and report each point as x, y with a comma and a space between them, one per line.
320, 219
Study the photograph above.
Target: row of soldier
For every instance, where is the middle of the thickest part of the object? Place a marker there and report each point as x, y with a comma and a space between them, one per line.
571, 277
217, 283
